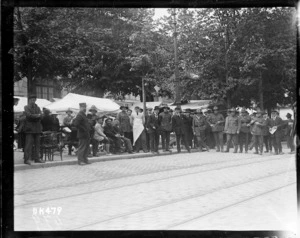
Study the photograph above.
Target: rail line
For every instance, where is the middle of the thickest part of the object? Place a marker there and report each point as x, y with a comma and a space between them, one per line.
134, 184
153, 172
192, 197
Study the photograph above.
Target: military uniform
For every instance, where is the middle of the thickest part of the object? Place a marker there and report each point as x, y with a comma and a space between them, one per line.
83, 134
267, 136
216, 122
232, 129
244, 132
125, 125
257, 132
199, 127
92, 118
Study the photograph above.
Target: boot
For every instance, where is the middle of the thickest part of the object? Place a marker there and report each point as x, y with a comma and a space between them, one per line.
235, 149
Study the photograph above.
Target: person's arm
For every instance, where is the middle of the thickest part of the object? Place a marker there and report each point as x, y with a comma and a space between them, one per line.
32, 116
239, 125
226, 125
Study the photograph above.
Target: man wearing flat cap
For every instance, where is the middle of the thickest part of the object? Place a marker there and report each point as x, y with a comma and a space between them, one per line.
165, 122
232, 129
92, 118
83, 134
33, 130
216, 121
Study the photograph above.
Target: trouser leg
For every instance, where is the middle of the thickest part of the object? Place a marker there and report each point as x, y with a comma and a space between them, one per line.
228, 141
255, 142
241, 138
178, 142
186, 143
274, 143
278, 142
266, 142
94, 146
152, 142
28, 147
167, 133
128, 144
235, 142
163, 139
37, 140
221, 139
81, 150
261, 143
216, 138
143, 141
156, 136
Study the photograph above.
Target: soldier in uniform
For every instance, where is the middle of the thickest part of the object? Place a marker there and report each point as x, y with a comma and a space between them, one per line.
232, 129
199, 127
83, 134
178, 128
147, 117
92, 118
153, 130
258, 123
32, 130
124, 121
68, 121
244, 131
216, 121
266, 134
165, 122
276, 123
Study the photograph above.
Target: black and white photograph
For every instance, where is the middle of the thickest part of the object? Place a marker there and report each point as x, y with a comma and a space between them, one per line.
139, 118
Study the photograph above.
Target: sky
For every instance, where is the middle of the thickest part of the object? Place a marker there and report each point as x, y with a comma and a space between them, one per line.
159, 12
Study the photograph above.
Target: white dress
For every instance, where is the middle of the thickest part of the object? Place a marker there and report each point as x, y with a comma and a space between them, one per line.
138, 126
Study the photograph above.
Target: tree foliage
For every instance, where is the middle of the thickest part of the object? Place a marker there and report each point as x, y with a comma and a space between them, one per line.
223, 53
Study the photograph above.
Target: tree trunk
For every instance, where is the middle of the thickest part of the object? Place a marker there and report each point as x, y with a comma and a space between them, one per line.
260, 91
228, 93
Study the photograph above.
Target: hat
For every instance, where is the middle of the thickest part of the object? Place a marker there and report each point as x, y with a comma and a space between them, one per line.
208, 110
93, 108
187, 110
109, 119
156, 108
178, 108
288, 115
243, 109
274, 111
31, 96
216, 108
166, 107
149, 108
120, 107
69, 110
83, 104
54, 113
232, 109
199, 111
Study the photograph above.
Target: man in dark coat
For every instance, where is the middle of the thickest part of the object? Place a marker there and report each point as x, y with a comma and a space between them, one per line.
178, 128
188, 127
124, 121
111, 132
47, 121
121, 136
33, 130
216, 121
258, 123
276, 123
244, 131
153, 130
83, 134
165, 122
92, 118
289, 127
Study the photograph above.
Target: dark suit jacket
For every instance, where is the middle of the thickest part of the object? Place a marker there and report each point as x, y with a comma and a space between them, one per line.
177, 124
153, 122
110, 131
82, 124
33, 119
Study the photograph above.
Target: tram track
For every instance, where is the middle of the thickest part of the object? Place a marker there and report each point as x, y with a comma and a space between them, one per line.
153, 172
135, 184
194, 196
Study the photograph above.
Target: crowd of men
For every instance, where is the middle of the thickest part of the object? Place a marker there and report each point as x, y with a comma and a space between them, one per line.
132, 131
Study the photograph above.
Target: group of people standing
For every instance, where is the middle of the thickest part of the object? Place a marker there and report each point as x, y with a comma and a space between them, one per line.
132, 131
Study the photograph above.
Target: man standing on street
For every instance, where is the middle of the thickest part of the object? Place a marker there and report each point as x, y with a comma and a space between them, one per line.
244, 131
33, 130
153, 130
258, 123
83, 134
124, 121
276, 123
165, 121
178, 128
199, 127
92, 119
289, 136
216, 121
232, 129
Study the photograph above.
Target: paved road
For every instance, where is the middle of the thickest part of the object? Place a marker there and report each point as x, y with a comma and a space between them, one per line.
198, 191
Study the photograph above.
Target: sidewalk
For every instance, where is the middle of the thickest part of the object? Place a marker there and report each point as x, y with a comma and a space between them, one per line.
72, 159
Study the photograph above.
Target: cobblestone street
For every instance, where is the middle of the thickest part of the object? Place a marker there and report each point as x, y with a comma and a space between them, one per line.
197, 191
